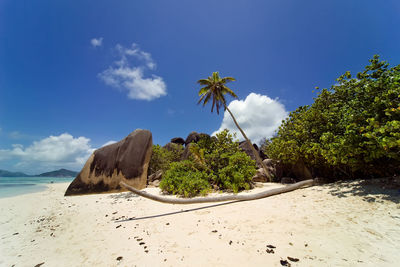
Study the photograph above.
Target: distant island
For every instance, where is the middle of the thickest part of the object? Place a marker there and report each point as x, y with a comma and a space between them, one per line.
4, 173
58, 173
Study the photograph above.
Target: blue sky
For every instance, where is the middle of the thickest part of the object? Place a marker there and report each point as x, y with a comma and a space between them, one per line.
75, 75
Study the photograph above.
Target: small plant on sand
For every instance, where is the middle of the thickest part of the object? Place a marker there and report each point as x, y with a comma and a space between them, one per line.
184, 178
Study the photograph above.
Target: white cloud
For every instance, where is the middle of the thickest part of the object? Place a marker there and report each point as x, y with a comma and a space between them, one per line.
258, 115
63, 151
125, 75
97, 42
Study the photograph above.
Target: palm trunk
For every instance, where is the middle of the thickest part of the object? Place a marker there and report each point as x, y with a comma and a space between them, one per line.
259, 160
255, 196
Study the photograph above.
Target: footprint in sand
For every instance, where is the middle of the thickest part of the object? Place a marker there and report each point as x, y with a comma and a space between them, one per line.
142, 243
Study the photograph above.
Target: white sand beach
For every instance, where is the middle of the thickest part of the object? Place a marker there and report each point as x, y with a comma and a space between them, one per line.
330, 225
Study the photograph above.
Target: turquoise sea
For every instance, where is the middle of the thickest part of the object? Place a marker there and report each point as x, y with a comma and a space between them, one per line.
13, 186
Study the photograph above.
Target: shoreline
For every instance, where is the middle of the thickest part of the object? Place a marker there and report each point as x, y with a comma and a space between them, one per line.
336, 225
17, 186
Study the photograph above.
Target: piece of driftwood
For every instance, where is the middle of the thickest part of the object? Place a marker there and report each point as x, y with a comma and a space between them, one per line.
264, 194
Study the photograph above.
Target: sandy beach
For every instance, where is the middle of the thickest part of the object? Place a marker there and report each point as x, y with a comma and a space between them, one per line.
342, 224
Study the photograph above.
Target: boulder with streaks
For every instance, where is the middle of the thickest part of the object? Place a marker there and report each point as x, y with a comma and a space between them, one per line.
126, 161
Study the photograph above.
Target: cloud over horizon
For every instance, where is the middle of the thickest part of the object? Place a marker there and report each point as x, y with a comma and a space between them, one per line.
258, 115
127, 73
97, 42
53, 152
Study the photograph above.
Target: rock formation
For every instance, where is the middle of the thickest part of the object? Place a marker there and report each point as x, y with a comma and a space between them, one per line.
178, 140
298, 171
126, 161
194, 137
260, 176
186, 153
247, 149
301, 172
173, 146
275, 168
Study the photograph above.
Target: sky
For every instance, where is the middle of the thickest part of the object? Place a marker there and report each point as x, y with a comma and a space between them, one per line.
76, 75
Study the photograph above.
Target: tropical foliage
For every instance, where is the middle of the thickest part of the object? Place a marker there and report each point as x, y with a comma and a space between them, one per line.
214, 87
161, 158
351, 129
183, 178
231, 168
215, 162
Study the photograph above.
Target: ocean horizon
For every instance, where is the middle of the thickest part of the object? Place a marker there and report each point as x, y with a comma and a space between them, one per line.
14, 186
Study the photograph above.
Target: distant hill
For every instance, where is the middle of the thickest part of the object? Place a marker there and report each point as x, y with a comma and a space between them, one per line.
59, 173
4, 173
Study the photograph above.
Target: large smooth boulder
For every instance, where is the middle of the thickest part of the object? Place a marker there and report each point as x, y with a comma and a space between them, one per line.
173, 146
155, 176
275, 168
192, 137
301, 172
186, 153
126, 161
245, 147
178, 140
260, 176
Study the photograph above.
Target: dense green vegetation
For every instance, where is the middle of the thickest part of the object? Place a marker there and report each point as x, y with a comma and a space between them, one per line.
161, 158
351, 129
184, 178
214, 163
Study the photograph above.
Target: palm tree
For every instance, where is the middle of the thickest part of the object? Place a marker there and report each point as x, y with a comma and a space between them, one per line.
214, 88
268, 193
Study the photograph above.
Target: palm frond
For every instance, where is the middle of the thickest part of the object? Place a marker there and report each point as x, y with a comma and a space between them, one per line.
227, 79
204, 82
214, 87
201, 98
204, 90
215, 76
227, 90
208, 96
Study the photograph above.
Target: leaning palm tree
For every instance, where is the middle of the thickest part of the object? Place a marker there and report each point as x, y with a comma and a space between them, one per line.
214, 88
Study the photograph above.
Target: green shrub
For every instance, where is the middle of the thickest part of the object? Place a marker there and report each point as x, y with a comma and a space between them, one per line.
351, 129
161, 158
214, 161
232, 169
237, 174
184, 179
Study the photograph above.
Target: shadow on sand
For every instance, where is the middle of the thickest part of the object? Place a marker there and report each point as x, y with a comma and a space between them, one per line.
176, 212
372, 190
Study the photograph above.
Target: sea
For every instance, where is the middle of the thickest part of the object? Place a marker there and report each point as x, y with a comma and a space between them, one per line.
14, 186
